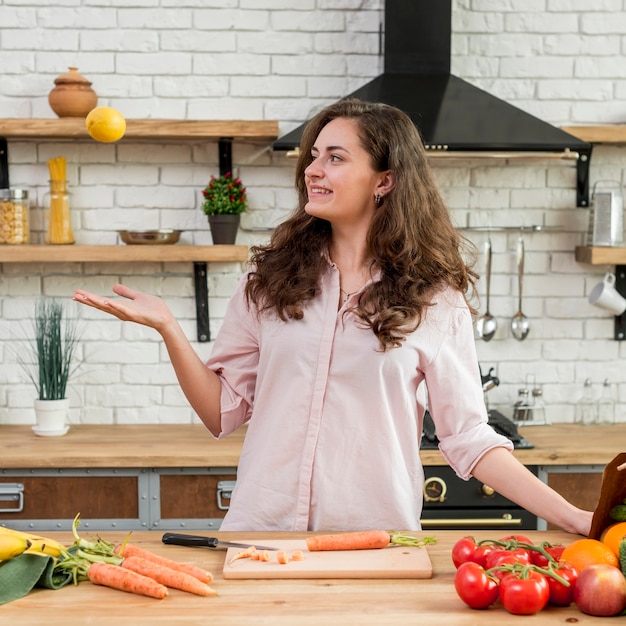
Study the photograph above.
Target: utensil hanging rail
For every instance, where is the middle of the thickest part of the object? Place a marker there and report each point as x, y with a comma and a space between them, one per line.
510, 229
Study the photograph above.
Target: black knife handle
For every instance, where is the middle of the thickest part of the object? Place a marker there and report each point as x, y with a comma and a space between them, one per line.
193, 541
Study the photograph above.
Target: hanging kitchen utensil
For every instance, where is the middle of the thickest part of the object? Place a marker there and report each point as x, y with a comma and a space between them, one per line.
486, 325
520, 324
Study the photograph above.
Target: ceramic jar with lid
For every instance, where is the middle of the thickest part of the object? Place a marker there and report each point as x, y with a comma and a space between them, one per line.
72, 95
14, 216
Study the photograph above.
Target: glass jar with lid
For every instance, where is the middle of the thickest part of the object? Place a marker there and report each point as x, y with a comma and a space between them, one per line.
14, 216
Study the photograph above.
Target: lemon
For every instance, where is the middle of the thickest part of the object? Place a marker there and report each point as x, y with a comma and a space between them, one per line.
105, 124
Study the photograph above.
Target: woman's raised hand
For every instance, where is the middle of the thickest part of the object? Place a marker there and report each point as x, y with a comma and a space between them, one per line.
133, 306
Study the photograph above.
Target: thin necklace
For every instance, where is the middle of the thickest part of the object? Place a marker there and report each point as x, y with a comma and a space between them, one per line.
347, 295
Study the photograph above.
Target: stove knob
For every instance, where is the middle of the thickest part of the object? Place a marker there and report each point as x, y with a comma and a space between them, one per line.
486, 490
435, 489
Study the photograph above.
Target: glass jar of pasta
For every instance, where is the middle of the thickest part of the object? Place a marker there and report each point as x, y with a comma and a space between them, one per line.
14, 216
58, 216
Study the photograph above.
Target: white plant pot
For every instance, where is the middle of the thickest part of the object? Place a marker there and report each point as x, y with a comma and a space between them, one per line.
52, 417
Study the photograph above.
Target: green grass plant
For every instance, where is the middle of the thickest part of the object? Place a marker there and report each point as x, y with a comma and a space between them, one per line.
53, 349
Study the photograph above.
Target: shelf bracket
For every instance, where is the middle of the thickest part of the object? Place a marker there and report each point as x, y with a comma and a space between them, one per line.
225, 147
620, 285
582, 177
202, 302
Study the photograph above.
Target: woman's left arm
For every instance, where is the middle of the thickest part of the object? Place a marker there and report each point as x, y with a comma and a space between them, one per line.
502, 471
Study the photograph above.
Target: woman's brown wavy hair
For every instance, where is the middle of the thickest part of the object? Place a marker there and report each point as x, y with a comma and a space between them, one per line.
411, 238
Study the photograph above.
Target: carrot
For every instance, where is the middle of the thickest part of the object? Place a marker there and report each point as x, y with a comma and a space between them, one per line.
364, 540
264, 555
297, 555
126, 580
249, 552
128, 550
282, 557
167, 576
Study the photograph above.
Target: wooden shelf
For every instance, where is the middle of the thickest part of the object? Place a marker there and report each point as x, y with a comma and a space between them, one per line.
74, 127
122, 254
596, 255
601, 133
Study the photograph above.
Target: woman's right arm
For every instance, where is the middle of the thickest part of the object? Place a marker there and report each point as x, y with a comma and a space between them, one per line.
201, 386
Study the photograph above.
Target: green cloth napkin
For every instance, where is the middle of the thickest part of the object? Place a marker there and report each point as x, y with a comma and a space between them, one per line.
19, 575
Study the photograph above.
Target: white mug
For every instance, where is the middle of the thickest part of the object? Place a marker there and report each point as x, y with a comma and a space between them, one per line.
607, 297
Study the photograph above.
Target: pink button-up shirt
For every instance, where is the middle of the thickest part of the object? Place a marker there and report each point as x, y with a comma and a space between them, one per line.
334, 424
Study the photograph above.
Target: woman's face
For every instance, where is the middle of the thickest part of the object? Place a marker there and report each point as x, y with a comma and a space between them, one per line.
340, 181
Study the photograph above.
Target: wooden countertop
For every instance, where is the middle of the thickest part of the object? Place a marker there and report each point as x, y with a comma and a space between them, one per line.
280, 602
191, 445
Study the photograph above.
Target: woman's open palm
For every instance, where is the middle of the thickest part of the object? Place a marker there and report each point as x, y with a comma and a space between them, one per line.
133, 306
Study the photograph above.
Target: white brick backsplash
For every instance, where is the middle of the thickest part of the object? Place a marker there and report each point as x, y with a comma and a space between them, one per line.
561, 60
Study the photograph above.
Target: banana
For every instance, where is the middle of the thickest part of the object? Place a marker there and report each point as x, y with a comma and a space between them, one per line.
12, 546
39, 544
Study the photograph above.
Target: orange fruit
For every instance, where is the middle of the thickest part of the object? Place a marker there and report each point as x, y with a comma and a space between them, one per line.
105, 124
613, 535
583, 552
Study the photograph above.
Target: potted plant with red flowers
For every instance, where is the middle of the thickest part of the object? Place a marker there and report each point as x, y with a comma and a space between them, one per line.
224, 202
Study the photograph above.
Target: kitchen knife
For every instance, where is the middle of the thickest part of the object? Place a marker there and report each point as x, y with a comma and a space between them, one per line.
199, 541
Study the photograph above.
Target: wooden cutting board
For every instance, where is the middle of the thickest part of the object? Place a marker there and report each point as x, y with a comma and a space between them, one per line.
390, 562
612, 492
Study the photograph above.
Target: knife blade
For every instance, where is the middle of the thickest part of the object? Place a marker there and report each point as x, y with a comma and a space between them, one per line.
200, 541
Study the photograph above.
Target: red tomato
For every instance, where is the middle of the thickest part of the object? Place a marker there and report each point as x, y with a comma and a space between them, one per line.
561, 595
518, 538
474, 586
541, 561
500, 556
524, 596
463, 550
481, 553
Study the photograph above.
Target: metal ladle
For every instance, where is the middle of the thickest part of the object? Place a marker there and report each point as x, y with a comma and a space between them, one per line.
520, 324
486, 325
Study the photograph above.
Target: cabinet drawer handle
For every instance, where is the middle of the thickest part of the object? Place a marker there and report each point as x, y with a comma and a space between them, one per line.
224, 491
12, 492
473, 521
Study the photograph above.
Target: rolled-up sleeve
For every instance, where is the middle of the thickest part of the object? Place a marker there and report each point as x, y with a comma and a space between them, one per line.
455, 397
235, 358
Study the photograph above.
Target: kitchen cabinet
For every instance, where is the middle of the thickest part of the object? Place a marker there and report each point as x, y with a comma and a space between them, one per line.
581, 488
116, 498
178, 476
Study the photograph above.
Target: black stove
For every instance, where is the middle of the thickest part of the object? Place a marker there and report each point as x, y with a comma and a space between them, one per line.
501, 424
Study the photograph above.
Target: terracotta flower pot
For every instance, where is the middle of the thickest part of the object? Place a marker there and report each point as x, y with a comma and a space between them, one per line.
72, 96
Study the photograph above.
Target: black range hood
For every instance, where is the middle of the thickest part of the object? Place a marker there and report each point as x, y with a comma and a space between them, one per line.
452, 115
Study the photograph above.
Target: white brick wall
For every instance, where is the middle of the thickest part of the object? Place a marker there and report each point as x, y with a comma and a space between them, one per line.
284, 59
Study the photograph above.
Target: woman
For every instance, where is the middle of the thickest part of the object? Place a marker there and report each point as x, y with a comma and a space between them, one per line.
359, 298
